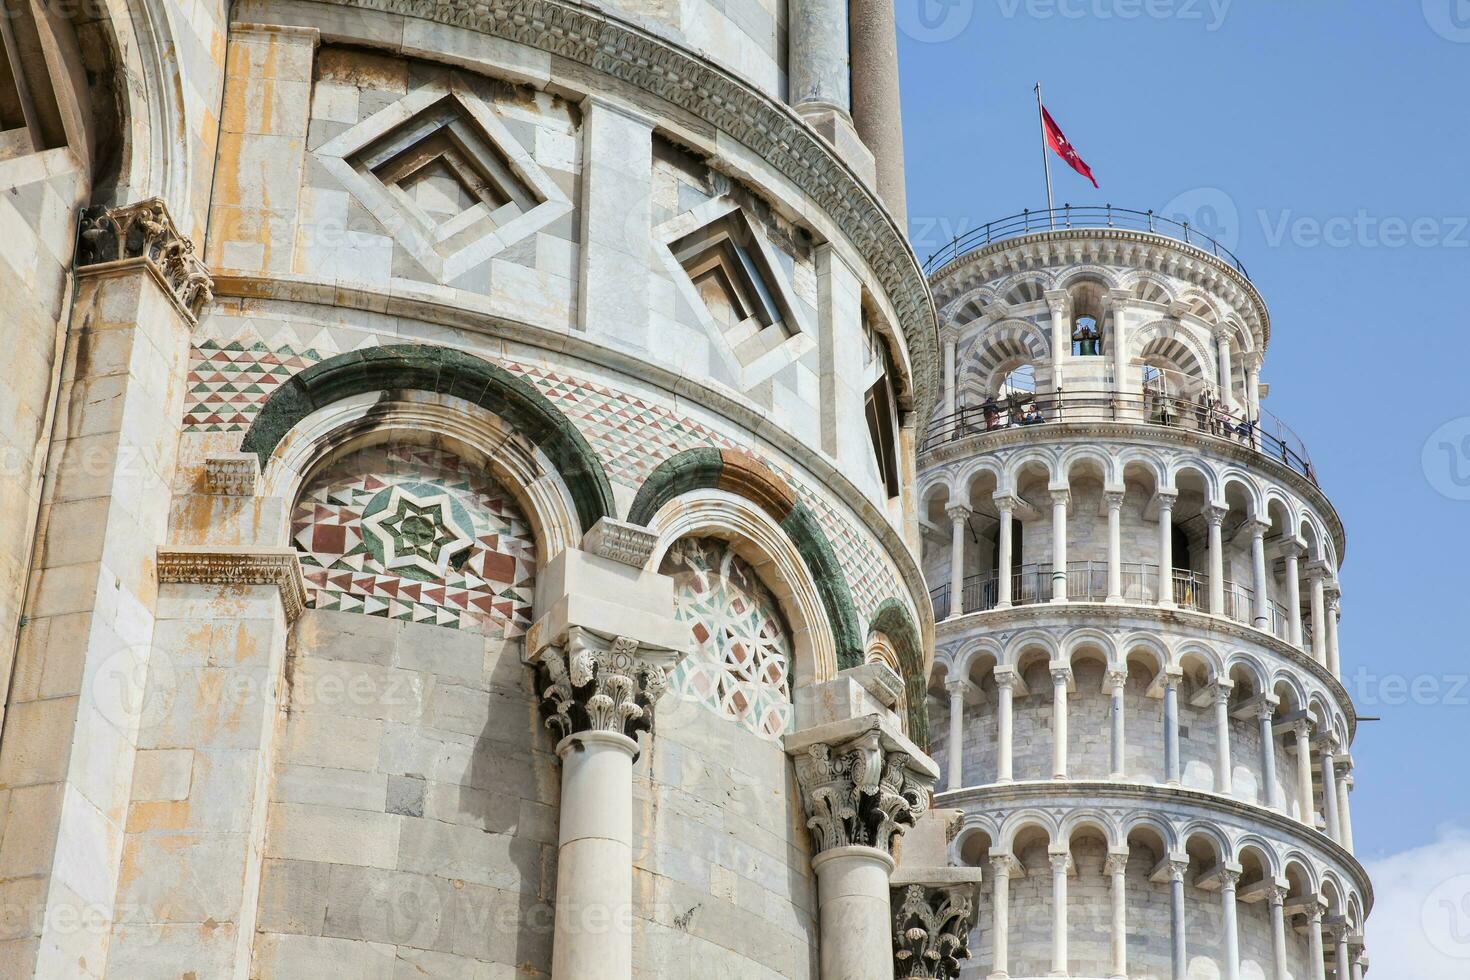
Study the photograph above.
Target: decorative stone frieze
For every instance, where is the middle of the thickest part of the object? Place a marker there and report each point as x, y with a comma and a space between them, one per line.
238, 566
931, 926
145, 231
598, 684
232, 474
863, 790
619, 541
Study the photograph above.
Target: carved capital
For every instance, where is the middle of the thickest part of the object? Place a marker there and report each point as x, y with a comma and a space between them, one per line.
279, 567
1061, 862
1275, 895
860, 792
595, 684
145, 231
931, 926
1214, 513
1114, 498
1115, 864
957, 513
1117, 678
1004, 865
1177, 869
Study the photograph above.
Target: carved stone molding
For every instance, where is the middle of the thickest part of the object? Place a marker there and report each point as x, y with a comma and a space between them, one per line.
931, 926
860, 792
595, 684
145, 231
769, 128
619, 541
238, 566
232, 474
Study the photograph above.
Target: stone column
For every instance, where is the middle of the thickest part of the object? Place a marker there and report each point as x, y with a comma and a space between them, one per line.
1166, 547
1224, 780
1058, 302
1061, 680
1303, 732
1222, 346
876, 110
1001, 866
1327, 751
1265, 715
1334, 601
957, 689
862, 785
1116, 868
1061, 862
1229, 880
950, 401
1115, 545
1172, 677
1262, 611
1177, 935
1359, 965
1006, 679
1117, 681
1292, 551
1317, 574
1340, 952
1216, 515
1061, 497
1318, 954
1276, 896
1344, 809
1253, 385
931, 927
1117, 340
1006, 506
959, 522
819, 81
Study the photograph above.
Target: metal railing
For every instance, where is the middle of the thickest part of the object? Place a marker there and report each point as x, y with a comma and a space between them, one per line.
1191, 590
1151, 408
1030, 222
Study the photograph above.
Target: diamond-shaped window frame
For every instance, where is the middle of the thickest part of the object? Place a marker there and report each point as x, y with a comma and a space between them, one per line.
488, 151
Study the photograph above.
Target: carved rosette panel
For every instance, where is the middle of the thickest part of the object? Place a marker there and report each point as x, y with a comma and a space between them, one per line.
859, 793
931, 926
595, 685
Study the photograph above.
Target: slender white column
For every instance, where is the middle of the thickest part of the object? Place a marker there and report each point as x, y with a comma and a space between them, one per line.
1177, 868
1060, 498
1116, 868
1262, 611
1318, 575
1229, 879
1166, 547
852, 899
1222, 345
957, 689
959, 520
1318, 954
1216, 515
1171, 726
1303, 732
1334, 656
1339, 937
1328, 752
1061, 677
1344, 810
1117, 681
1224, 778
1276, 895
594, 875
1115, 545
950, 402
1005, 679
1001, 866
1006, 504
1060, 862
1293, 595
1265, 713
1117, 339
820, 73
1358, 966
1058, 303
1253, 385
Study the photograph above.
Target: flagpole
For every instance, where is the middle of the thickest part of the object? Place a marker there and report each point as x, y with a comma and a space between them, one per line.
1045, 160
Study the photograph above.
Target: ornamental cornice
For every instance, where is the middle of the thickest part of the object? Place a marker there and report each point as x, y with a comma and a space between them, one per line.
980, 443
990, 623
205, 565
770, 129
1104, 246
1061, 797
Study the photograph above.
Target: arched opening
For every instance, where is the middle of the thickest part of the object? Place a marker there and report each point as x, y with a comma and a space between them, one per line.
1148, 911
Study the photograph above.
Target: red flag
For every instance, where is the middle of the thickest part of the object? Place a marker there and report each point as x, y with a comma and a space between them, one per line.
1058, 142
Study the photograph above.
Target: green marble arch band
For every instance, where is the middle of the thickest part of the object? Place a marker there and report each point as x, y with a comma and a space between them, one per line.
893, 620
415, 367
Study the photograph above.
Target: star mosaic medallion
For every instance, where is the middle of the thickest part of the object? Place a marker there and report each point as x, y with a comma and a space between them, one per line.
415, 535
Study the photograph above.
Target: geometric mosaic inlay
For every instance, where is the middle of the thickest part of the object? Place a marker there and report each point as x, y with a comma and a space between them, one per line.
739, 662
416, 534
228, 383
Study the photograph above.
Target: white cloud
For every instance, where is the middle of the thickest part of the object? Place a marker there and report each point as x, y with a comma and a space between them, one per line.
1420, 926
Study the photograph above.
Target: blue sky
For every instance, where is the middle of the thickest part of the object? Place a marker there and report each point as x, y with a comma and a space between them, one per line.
1330, 140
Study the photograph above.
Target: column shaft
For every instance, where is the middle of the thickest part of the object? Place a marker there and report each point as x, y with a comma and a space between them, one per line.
1293, 600
1059, 864
1334, 656
1278, 935
1304, 773
1262, 611
1319, 618
1059, 725
820, 76
1166, 553
1119, 748
1003, 586
1269, 795
956, 737
1003, 727
1329, 794
1232, 926
1227, 395
1059, 501
1344, 810
959, 523
1171, 731
1176, 923
1224, 780
876, 111
1217, 563
950, 402
1318, 953
1341, 954
1117, 866
853, 903
1000, 895
1115, 547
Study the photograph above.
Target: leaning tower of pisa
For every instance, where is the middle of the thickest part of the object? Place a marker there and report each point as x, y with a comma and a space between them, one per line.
1136, 698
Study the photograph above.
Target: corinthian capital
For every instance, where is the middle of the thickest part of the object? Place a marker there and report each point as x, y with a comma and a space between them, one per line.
863, 790
145, 231
931, 925
598, 684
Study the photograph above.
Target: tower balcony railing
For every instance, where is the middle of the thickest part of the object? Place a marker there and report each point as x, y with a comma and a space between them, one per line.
1266, 435
1067, 217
